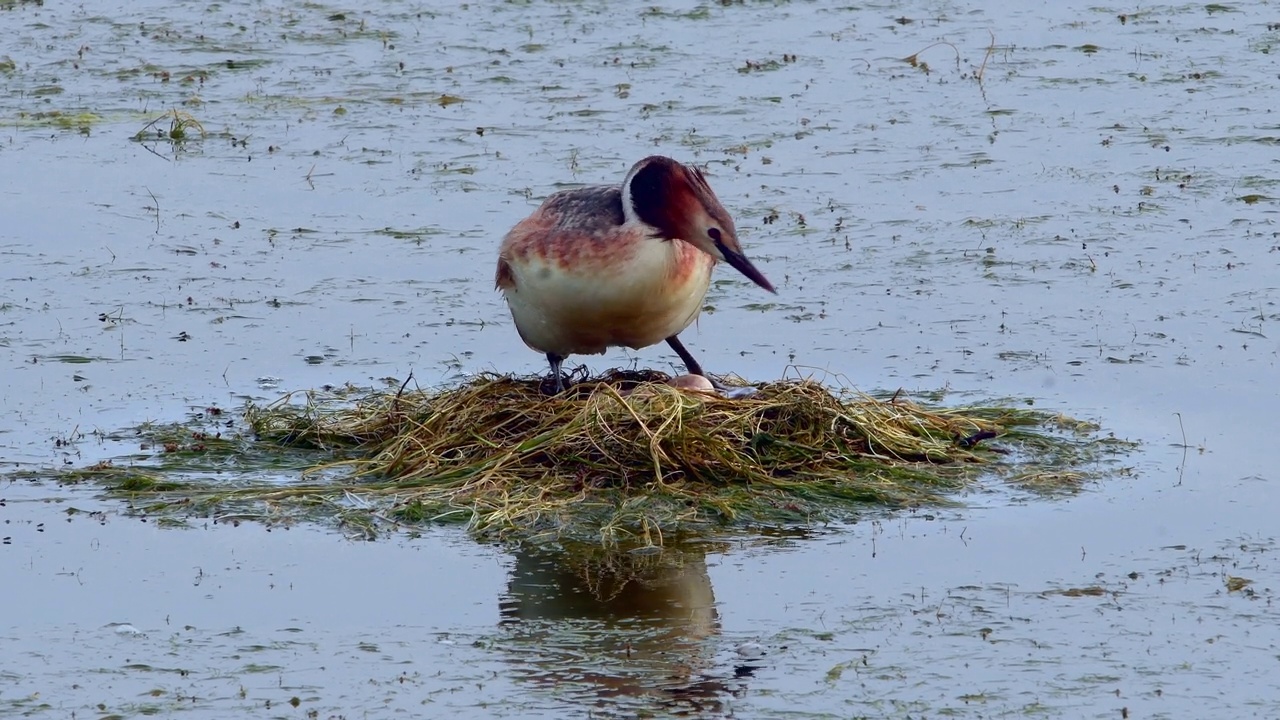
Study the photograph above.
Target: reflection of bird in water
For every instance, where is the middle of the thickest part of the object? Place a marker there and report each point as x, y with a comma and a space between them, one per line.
625, 626
618, 266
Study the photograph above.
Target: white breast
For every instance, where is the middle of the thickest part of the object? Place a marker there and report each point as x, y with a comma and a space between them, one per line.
638, 301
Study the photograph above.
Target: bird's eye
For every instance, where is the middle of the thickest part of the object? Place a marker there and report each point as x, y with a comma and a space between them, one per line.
714, 234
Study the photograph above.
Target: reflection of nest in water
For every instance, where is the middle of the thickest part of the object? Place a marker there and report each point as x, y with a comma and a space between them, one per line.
624, 455
608, 574
589, 581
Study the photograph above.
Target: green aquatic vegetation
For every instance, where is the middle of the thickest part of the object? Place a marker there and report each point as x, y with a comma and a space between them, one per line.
181, 125
82, 121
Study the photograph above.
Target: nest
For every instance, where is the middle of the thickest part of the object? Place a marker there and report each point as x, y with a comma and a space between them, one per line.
626, 456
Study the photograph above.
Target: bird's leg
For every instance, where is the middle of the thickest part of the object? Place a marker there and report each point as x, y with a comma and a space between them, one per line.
689, 363
555, 361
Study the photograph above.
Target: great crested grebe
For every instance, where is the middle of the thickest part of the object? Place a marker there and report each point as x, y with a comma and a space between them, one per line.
618, 265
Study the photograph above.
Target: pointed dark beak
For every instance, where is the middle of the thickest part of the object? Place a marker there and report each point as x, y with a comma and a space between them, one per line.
739, 262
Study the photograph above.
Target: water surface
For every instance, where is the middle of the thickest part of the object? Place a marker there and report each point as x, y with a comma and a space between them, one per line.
1066, 203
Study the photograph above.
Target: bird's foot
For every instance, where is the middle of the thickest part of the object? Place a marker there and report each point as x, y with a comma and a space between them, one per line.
732, 392
552, 385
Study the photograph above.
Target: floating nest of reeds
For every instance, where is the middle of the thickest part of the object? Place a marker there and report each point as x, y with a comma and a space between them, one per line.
626, 457
621, 459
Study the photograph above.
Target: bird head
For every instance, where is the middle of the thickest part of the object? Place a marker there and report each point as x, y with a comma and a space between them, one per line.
676, 201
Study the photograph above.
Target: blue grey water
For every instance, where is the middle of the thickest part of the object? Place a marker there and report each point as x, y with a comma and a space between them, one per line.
1070, 203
